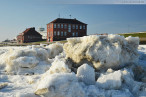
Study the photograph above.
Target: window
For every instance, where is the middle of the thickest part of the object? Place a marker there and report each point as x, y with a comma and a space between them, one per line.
58, 33
65, 26
48, 26
54, 25
83, 26
65, 33
80, 26
76, 26
73, 27
61, 25
54, 33
58, 25
69, 28
61, 33
76, 33
73, 34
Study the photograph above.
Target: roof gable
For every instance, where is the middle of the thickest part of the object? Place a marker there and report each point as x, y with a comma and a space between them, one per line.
69, 21
31, 31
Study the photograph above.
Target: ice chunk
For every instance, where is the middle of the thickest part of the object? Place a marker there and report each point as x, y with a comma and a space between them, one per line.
102, 52
93, 91
54, 49
118, 93
2, 85
136, 88
26, 95
59, 66
26, 62
110, 81
60, 85
86, 74
17, 60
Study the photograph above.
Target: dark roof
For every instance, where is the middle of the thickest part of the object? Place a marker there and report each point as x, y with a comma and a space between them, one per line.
69, 21
30, 30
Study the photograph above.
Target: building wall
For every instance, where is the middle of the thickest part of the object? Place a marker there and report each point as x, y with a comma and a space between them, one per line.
55, 33
20, 39
32, 38
50, 32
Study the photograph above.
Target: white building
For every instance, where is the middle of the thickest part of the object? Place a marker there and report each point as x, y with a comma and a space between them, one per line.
43, 33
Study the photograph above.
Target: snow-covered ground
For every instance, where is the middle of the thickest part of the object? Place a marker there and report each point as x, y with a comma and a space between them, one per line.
91, 66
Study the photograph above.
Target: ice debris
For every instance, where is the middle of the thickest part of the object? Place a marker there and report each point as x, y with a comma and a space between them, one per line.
102, 52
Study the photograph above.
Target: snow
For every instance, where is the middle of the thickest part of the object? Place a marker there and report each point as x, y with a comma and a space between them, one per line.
90, 66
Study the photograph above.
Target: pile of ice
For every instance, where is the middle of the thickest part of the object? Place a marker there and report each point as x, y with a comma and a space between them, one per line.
90, 66
102, 52
29, 59
95, 66
119, 83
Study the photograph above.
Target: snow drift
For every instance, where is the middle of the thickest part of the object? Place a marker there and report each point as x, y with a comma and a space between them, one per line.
102, 52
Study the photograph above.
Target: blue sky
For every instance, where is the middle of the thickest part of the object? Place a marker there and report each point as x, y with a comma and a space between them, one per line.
17, 15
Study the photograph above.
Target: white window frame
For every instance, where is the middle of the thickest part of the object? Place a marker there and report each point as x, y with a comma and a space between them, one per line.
76, 26
61, 25
54, 33
61, 33
58, 33
73, 34
69, 27
65, 26
73, 26
54, 25
80, 26
76, 33
83, 26
58, 25
65, 33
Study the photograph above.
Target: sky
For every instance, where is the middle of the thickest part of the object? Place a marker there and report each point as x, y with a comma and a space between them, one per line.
101, 17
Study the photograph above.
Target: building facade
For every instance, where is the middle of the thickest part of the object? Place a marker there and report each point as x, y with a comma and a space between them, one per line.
29, 35
61, 28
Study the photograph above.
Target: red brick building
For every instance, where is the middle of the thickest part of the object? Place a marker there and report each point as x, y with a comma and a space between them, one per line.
29, 35
60, 29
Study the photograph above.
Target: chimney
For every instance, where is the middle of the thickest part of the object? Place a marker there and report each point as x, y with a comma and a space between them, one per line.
33, 28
